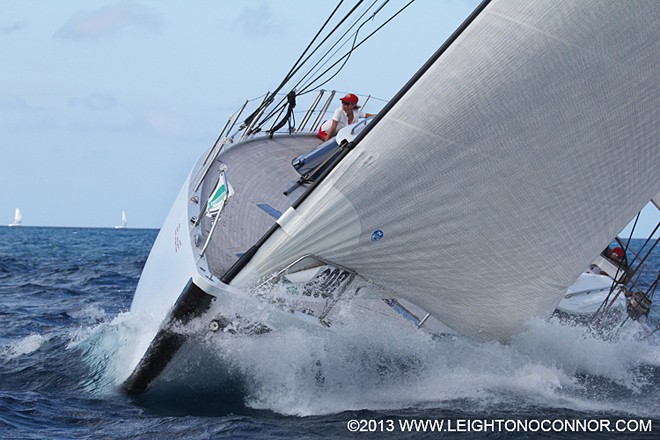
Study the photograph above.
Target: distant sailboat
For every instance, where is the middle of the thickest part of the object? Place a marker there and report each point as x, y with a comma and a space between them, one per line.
122, 225
18, 218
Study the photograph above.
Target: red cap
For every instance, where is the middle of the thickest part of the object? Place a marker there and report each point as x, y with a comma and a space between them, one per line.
350, 98
618, 252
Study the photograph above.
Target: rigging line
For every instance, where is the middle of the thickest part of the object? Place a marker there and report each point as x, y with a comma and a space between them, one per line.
648, 253
340, 67
625, 252
283, 100
283, 103
631, 264
650, 292
358, 45
306, 88
295, 70
341, 22
632, 231
644, 245
291, 73
337, 26
327, 57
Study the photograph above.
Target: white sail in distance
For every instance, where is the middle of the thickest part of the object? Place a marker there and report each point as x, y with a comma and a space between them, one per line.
499, 175
124, 222
18, 218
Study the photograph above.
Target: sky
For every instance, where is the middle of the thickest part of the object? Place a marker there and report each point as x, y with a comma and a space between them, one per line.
106, 105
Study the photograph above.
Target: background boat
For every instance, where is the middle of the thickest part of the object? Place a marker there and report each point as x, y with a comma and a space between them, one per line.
123, 223
18, 218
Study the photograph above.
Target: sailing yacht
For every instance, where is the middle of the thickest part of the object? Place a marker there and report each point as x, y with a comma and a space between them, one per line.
122, 225
18, 218
470, 204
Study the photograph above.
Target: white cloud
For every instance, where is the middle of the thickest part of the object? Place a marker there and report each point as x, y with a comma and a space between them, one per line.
109, 21
94, 101
259, 21
15, 103
8, 29
165, 123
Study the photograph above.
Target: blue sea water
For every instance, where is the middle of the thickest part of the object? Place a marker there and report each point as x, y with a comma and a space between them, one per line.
64, 290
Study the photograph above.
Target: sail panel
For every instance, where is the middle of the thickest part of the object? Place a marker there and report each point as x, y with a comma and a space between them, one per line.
506, 168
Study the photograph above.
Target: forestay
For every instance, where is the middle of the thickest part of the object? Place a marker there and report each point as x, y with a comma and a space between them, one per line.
486, 190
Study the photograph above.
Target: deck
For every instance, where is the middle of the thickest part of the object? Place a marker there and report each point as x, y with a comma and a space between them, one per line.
258, 172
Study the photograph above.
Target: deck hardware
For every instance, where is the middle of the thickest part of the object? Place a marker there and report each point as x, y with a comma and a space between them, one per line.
319, 119
277, 118
238, 115
207, 166
364, 104
246, 131
310, 111
421, 323
222, 132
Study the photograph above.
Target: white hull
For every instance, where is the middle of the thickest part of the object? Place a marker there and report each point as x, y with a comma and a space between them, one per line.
586, 295
168, 268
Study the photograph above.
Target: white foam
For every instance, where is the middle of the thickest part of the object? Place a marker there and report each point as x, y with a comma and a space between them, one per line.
90, 311
23, 346
376, 366
372, 364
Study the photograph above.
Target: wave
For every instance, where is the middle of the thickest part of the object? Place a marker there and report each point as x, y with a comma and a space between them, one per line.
372, 365
22, 346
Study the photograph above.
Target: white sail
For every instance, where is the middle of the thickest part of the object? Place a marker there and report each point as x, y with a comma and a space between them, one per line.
485, 191
18, 218
123, 223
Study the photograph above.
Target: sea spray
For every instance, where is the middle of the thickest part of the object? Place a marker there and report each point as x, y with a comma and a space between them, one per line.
373, 365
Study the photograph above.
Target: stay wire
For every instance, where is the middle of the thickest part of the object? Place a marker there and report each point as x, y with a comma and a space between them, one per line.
293, 68
298, 65
632, 263
352, 49
310, 71
603, 306
309, 87
344, 59
326, 58
648, 239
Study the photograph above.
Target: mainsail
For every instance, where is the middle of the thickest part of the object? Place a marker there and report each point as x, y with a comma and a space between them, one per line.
483, 192
18, 218
123, 223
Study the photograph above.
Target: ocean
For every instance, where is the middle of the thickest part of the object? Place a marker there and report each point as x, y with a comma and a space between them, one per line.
64, 298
